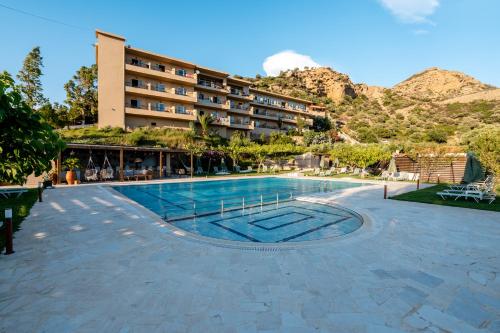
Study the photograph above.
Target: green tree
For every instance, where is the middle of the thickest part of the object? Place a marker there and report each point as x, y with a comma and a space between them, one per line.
485, 143
27, 144
29, 77
321, 124
205, 120
280, 138
56, 115
81, 94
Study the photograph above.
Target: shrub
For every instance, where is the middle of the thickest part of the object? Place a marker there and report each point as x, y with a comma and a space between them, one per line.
316, 138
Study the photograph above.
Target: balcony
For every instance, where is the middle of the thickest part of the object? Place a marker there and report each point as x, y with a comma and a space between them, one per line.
149, 90
265, 115
277, 106
240, 123
151, 110
211, 86
172, 75
239, 94
241, 109
215, 105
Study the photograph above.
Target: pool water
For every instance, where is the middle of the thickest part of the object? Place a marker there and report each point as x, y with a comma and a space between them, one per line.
251, 209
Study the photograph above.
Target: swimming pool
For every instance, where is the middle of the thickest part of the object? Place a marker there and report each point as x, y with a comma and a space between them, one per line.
252, 209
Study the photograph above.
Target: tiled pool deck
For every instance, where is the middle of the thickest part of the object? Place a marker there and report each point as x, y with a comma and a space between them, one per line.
88, 261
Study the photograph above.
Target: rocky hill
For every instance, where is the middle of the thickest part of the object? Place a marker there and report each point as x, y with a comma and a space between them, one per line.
439, 84
433, 105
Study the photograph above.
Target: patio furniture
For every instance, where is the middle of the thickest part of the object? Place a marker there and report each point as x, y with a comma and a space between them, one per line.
90, 171
12, 192
222, 172
477, 192
107, 171
248, 170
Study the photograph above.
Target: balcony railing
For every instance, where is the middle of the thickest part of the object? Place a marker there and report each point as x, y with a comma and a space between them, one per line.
139, 64
147, 106
137, 106
182, 111
210, 84
209, 101
239, 107
265, 113
139, 85
240, 122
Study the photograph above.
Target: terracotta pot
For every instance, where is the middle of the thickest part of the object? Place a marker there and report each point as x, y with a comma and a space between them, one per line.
70, 177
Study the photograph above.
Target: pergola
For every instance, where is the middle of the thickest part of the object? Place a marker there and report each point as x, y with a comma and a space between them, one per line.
164, 154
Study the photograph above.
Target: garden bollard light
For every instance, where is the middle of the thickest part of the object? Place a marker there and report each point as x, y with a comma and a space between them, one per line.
418, 184
39, 192
9, 248
385, 191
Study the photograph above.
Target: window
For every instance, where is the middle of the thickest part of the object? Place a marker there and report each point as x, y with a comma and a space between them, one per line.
161, 68
135, 62
135, 103
153, 124
181, 72
160, 107
181, 91
180, 109
135, 83
160, 87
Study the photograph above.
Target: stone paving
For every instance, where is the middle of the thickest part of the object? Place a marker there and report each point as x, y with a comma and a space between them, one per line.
88, 261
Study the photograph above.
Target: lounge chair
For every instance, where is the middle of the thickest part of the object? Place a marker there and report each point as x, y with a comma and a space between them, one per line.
248, 170
221, 172
12, 192
199, 171
342, 170
477, 192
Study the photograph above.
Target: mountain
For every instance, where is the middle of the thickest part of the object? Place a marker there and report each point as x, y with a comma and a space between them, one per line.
433, 105
439, 84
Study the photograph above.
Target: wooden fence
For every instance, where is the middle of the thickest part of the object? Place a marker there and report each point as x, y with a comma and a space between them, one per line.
447, 169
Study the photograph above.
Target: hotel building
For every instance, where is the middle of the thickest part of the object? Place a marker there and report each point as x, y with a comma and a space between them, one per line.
138, 88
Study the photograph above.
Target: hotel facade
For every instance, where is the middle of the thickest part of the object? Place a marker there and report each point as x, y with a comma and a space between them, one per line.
138, 88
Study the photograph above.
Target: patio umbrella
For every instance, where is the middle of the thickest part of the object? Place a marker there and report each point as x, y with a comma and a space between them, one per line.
473, 169
223, 164
392, 166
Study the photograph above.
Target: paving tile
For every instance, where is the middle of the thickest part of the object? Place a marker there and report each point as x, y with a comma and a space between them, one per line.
418, 267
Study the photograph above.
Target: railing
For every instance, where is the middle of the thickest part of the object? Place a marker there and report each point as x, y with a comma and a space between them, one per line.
267, 114
238, 92
209, 101
248, 204
140, 85
137, 106
239, 107
139, 64
185, 112
210, 84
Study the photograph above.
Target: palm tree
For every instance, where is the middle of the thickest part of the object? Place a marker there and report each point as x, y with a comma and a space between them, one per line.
205, 120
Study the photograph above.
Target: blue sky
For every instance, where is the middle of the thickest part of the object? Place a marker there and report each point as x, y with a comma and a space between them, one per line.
379, 42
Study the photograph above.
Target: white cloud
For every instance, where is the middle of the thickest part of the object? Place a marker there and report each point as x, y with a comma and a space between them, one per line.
288, 59
411, 11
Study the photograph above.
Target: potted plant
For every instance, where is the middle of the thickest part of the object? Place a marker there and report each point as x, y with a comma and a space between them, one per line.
71, 163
